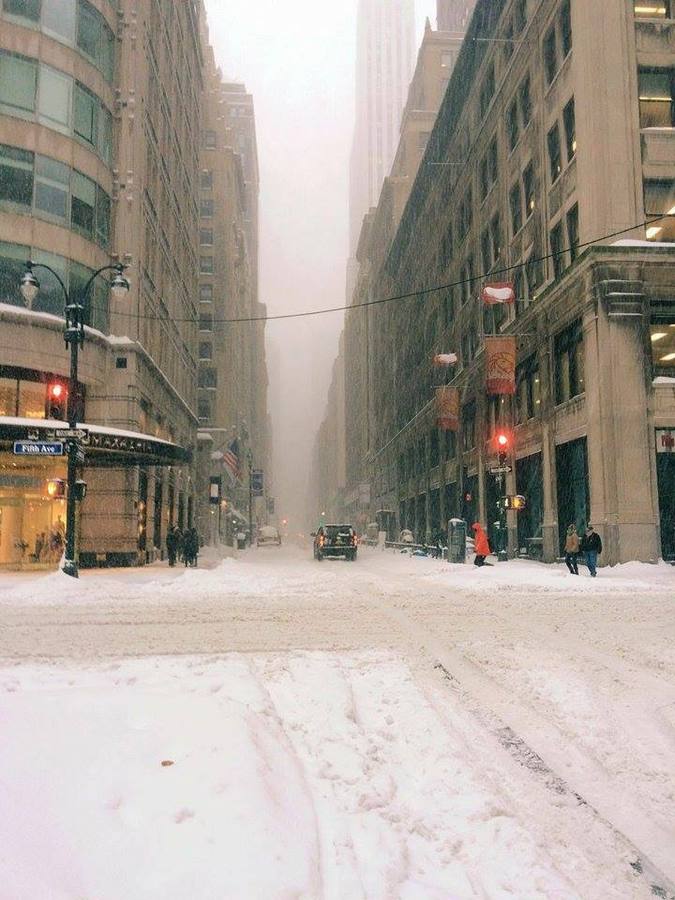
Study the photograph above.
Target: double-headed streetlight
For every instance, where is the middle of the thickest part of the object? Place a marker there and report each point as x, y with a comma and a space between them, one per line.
74, 338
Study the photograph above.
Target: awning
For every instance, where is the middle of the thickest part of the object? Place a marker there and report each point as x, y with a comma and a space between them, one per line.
105, 447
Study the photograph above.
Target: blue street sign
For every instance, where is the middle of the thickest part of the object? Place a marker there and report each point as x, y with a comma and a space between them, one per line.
38, 448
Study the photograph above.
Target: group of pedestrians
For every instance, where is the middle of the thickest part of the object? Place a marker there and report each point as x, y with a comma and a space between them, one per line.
182, 545
590, 545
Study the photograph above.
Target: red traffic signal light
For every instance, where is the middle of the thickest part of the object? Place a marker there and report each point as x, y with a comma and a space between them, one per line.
502, 447
56, 489
57, 401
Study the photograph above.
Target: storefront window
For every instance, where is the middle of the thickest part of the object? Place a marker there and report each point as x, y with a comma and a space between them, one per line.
9, 388
32, 526
32, 399
662, 337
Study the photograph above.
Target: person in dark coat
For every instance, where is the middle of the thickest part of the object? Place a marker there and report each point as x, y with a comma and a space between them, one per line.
191, 546
591, 546
482, 545
172, 544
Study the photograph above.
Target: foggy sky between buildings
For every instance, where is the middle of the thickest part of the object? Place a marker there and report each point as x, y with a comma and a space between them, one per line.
298, 61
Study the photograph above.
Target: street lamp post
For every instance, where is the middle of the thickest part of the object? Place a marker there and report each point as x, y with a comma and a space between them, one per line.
74, 338
249, 457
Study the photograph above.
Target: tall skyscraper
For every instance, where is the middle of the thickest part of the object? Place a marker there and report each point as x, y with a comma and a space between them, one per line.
385, 58
454, 15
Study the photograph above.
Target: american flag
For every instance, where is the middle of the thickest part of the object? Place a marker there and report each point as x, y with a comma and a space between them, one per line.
231, 459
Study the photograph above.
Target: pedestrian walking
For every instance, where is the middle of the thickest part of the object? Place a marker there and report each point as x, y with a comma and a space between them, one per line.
172, 545
572, 546
191, 546
482, 545
591, 547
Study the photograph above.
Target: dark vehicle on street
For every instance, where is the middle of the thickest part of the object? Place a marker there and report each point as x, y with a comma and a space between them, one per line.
336, 540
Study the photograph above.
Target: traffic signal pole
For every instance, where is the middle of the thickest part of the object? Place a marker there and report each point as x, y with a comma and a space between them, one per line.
73, 337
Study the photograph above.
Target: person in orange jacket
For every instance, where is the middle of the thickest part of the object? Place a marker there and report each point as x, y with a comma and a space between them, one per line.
482, 544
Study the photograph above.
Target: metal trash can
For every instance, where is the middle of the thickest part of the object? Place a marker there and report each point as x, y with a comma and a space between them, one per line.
457, 541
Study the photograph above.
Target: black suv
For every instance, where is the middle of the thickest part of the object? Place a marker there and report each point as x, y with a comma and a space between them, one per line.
335, 540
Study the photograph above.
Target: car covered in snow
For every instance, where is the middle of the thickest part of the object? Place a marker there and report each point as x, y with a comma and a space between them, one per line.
268, 536
335, 540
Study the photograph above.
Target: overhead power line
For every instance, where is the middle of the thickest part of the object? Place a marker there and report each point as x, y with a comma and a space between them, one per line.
407, 296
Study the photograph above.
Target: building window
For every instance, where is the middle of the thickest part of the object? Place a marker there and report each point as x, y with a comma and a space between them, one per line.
520, 16
569, 363
489, 170
465, 215
525, 96
566, 28
54, 100
656, 90
18, 84
516, 206
83, 207
533, 276
550, 55
206, 292
25, 9
206, 237
423, 140
554, 157
16, 176
205, 322
512, 124
557, 250
653, 9
660, 200
469, 426
210, 140
434, 449
662, 337
446, 246
206, 265
570, 130
204, 409
487, 90
466, 279
52, 187
206, 180
529, 190
205, 350
206, 208
207, 378
496, 237
573, 231
528, 390
485, 250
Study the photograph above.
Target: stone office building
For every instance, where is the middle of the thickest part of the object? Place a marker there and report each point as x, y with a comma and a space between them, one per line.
554, 154
99, 163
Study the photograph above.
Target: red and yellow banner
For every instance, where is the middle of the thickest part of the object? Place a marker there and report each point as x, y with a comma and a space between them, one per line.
447, 408
500, 355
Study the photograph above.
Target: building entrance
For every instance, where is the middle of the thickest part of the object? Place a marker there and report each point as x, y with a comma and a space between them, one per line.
573, 493
32, 525
665, 471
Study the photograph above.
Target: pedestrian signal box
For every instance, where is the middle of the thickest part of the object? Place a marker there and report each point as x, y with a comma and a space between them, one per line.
514, 501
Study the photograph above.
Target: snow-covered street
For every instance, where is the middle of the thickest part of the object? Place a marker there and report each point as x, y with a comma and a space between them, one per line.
274, 727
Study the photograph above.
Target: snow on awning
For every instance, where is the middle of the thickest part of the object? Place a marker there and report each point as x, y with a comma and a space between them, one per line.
104, 447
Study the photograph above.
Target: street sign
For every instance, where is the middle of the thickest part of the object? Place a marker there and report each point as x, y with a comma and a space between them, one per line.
500, 470
38, 448
257, 483
79, 434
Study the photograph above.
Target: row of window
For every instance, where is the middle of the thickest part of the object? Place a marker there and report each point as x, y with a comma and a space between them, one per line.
31, 90
51, 190
75, 22
50, 297
554, 143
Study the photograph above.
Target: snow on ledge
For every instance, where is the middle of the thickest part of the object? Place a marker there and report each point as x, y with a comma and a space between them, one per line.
653, 245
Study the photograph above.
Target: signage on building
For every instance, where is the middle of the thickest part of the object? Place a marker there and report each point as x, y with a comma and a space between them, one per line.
257, 483
38, 448
214, 489
79, 434
665, 440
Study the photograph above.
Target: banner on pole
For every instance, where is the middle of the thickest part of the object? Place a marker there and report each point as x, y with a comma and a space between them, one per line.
500, 355
447, 408
498, 292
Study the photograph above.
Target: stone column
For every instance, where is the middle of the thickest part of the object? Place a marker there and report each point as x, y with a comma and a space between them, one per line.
619, 437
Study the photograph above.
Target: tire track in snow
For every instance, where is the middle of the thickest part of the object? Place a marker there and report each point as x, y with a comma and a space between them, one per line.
528, 730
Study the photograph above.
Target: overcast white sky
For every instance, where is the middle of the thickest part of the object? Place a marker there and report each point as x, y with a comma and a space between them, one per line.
297, 59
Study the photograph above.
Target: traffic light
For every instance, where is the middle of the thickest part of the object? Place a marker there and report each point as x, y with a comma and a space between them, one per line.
56, 489
57, 401
502, 447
